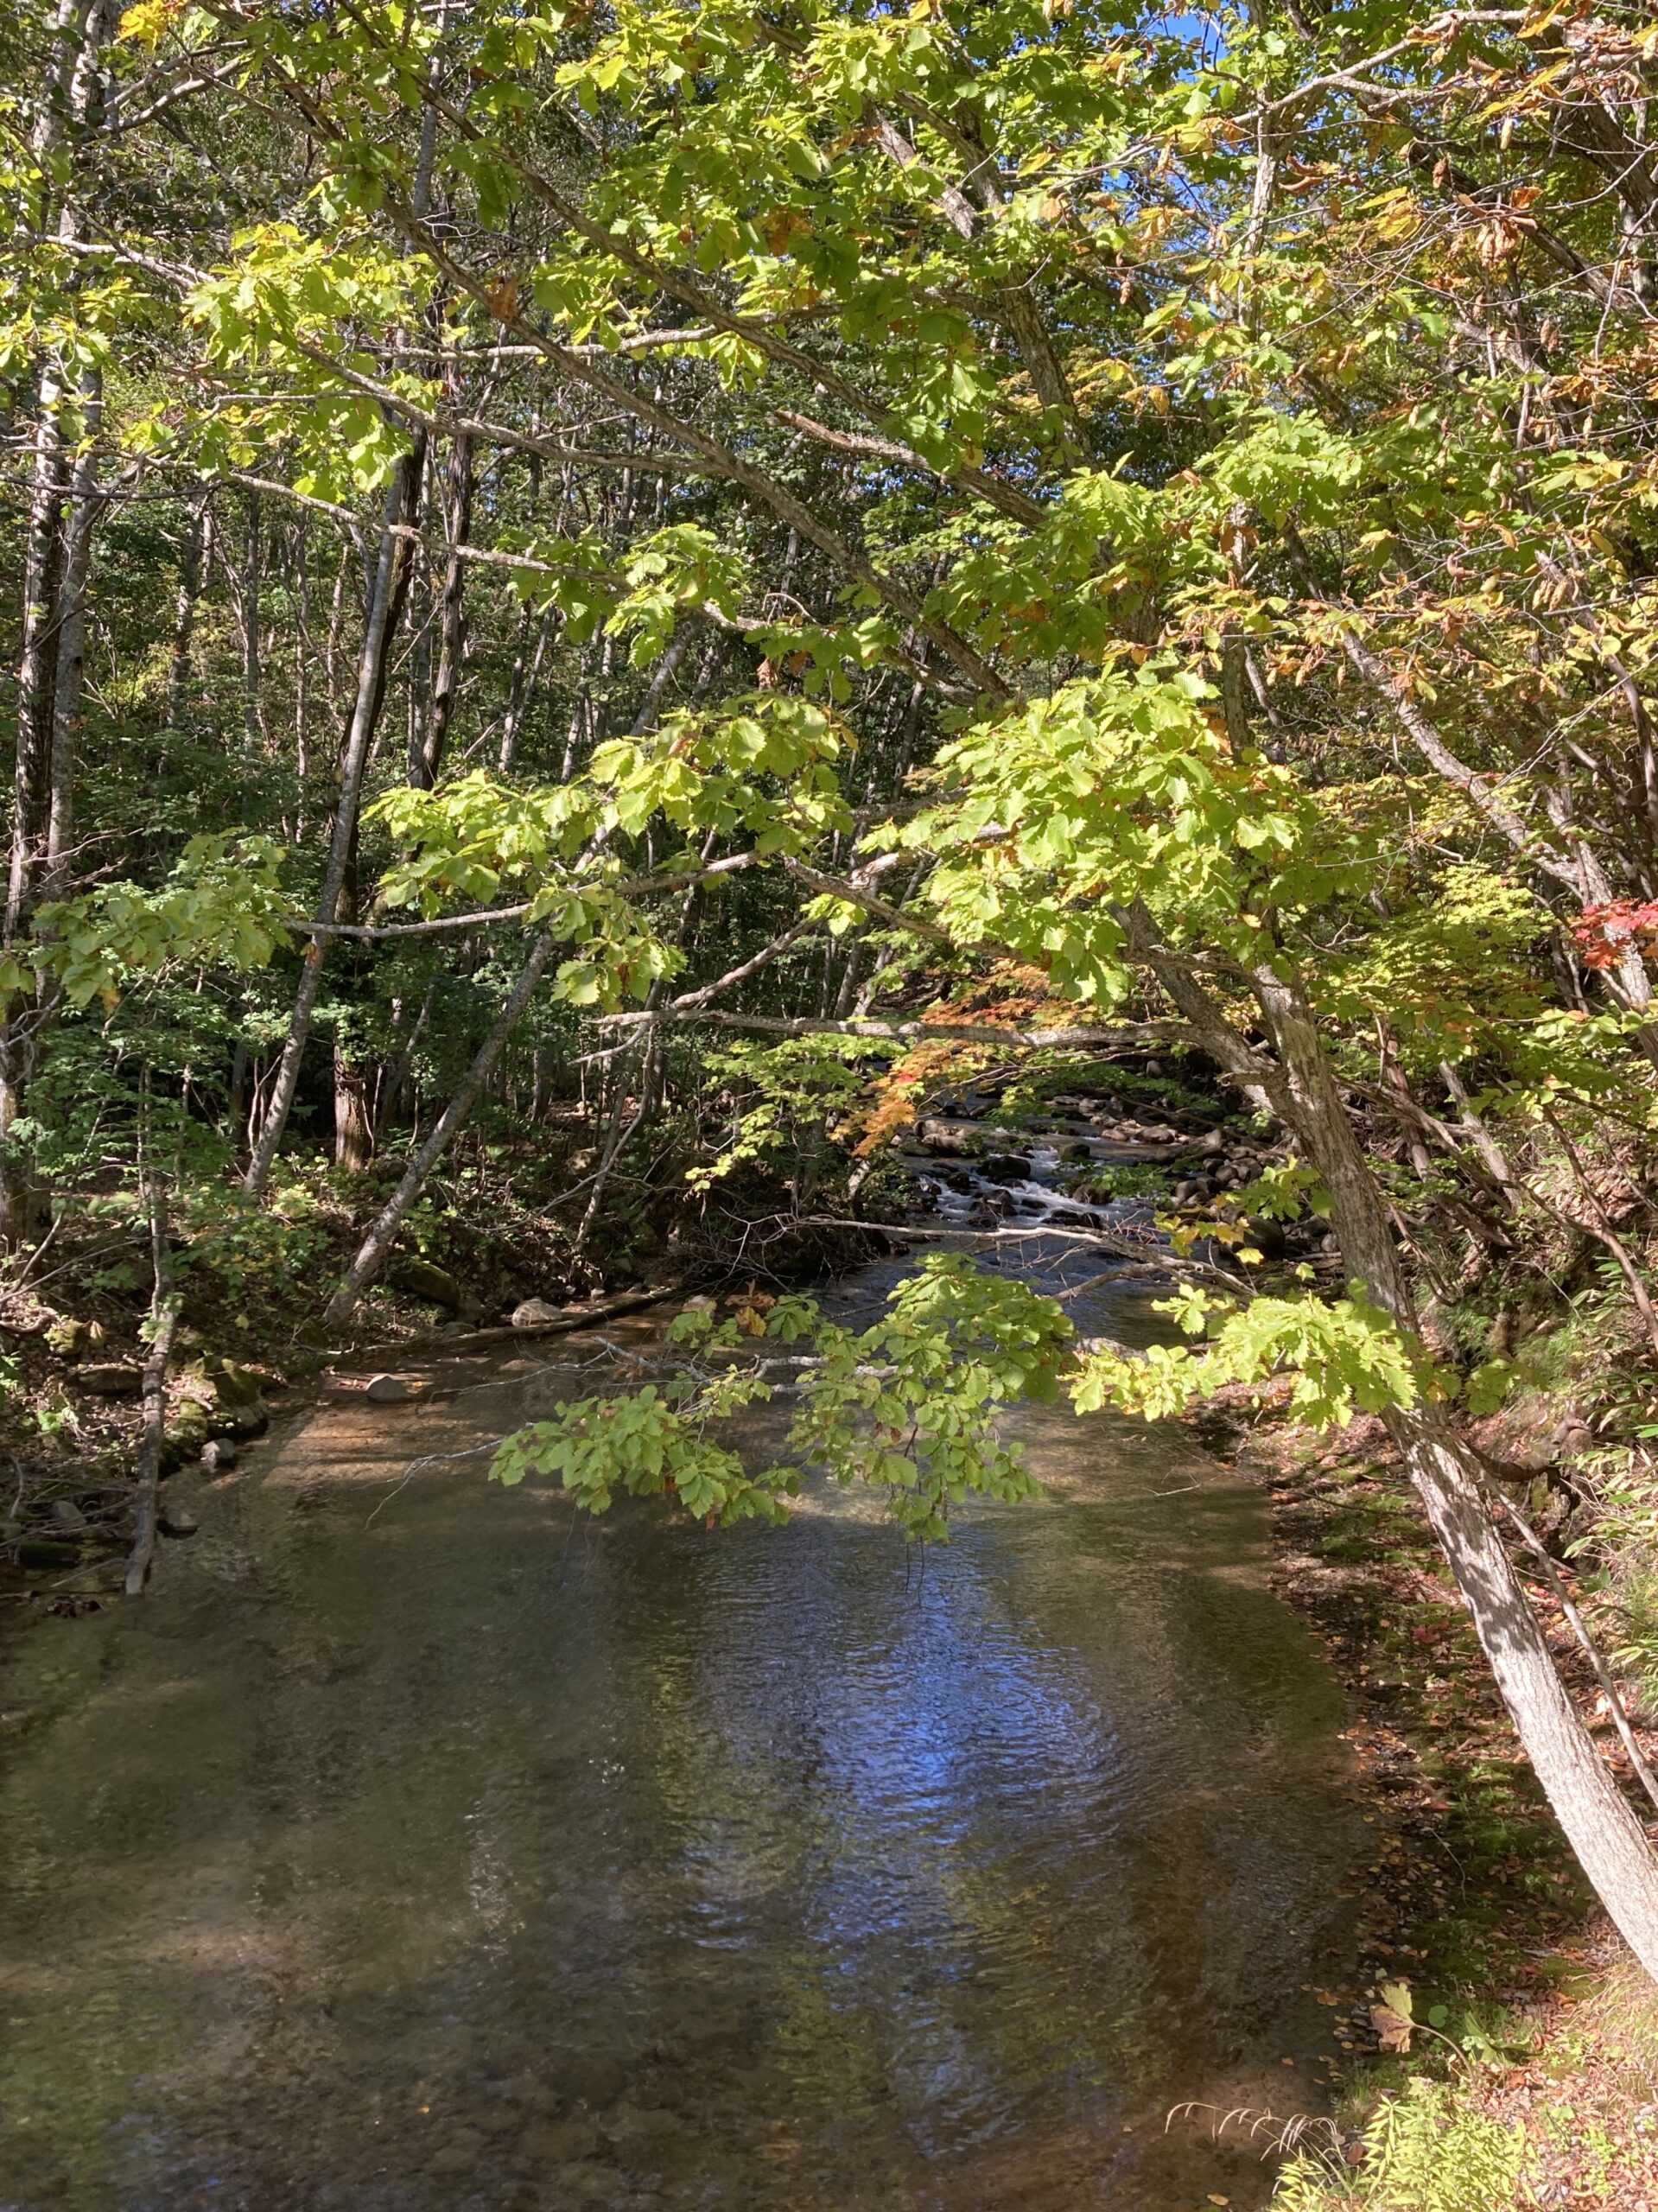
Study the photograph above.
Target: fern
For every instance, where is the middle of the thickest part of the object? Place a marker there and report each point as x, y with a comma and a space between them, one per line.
1420, 2155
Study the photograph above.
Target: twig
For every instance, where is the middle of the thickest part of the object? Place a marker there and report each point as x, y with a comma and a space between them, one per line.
29, 1263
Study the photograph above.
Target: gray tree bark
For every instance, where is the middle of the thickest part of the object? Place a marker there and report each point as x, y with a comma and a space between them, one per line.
359, 736
1599, 1822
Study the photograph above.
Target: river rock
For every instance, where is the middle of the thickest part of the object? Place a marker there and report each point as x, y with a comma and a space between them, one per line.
1268, 1236
559, 2142
41, 1552
219, 1455
114, 1379
388, 1390
534, 1313
585, 2182
186, 1431
954, 1140
238, 1406
590, 2078
459, 2155
178, 1521
17, 1322
421, 1279
1005, 1167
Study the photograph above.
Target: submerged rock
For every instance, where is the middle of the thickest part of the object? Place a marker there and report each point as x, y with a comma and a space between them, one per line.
560, 2142
585, 2182
459, 2154
590, 2078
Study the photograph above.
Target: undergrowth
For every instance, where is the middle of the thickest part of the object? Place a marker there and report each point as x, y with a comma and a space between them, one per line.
1420, 2152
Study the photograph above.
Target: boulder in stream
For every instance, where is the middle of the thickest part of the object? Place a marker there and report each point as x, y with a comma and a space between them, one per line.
954, 1140
535, 1313
1005, 1167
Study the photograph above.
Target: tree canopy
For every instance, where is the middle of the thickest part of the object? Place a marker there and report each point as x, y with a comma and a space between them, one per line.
587, 557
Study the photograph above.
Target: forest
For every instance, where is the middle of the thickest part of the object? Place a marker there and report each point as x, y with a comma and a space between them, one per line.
644, 635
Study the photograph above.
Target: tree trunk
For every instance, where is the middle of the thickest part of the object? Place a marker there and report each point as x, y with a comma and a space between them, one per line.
184, 616
526, 667
301, 669
354, 1138
69, 677
1598, 1821
38, 660
164, 1320
377, 1245
371, 692
70, 104
1610, 1845
426, 754
252, 599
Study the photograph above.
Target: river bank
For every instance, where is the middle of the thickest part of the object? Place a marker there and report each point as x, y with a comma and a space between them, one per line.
1537, 2032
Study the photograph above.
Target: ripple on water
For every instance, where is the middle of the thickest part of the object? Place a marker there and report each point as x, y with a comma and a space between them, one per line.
466, 1856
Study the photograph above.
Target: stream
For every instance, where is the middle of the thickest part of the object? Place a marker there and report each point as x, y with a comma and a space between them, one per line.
416, 1844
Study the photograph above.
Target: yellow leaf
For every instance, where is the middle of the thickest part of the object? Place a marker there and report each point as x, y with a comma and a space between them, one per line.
149, 21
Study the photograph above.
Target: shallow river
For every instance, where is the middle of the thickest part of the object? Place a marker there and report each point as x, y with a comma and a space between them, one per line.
419, 1848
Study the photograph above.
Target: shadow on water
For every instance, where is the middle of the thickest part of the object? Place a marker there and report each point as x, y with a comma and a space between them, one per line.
468, 1857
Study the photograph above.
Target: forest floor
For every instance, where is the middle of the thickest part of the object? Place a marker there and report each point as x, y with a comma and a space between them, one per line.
1483, 1954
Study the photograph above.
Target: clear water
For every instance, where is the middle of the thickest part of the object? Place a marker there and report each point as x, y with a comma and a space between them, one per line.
421, 1848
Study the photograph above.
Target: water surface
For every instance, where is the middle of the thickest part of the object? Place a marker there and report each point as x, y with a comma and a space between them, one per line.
425, 1847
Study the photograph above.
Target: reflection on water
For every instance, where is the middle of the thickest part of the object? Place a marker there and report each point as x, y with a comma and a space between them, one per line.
469, 1857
